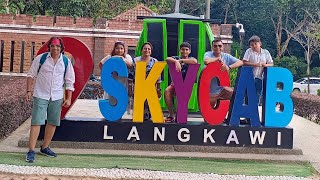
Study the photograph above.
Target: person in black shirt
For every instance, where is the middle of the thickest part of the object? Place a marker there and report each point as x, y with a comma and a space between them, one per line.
181, 64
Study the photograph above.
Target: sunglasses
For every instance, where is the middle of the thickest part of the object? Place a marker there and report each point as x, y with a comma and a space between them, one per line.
215, 46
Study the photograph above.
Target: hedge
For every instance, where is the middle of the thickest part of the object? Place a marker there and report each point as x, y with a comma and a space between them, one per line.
307, 106
14, 110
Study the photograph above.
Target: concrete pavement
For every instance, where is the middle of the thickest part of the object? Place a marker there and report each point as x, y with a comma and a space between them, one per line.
306, 138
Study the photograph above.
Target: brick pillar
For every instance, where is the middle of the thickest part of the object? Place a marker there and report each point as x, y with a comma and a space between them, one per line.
225, 32
101, 23
98, 54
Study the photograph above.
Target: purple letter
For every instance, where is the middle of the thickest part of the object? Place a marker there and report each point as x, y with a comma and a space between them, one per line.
183, 89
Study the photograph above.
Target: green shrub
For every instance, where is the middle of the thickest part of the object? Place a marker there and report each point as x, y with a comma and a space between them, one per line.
305, 105
318, 92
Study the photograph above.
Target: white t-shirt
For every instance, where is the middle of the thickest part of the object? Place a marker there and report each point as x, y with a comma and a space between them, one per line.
122, 80
264, 57
128, 58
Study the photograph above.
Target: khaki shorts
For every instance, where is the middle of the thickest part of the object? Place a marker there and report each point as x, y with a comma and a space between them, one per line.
46, 110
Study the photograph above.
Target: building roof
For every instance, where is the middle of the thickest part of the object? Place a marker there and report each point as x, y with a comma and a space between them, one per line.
132, 14
178, 15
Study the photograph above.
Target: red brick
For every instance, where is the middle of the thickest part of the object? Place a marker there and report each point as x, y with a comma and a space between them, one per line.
23, 19
6, 19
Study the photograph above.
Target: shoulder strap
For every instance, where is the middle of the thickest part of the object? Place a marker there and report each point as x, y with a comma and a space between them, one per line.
42, 60
44, 57
65, 61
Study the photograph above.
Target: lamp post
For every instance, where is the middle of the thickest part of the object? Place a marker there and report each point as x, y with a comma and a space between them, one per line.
241, 34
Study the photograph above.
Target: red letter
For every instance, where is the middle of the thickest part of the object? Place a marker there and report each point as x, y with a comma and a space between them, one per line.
213, 116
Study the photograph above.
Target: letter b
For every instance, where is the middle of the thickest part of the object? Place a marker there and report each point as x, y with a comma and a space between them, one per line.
274, 94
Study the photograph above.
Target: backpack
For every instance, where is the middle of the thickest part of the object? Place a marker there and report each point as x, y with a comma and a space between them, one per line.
44, 57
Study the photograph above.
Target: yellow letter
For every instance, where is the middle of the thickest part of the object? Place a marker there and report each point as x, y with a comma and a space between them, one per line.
144, 89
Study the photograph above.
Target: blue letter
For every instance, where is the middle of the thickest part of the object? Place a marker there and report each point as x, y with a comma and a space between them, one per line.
113, 88
271, 117
245, 87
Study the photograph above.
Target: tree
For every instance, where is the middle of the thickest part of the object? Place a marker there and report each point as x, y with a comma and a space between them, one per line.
307, 38
294, 64
4, 6
287, 21
21, 6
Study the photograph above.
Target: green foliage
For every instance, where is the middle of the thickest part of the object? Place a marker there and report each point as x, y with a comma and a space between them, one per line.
295, 65
315, 72
318, 92
160, 6
74, 8
236, 49
2, 6
233, 75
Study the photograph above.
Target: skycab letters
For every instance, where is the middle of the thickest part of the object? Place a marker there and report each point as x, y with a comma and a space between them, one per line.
277, 89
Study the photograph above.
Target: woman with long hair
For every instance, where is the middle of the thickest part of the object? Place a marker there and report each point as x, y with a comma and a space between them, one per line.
118, 51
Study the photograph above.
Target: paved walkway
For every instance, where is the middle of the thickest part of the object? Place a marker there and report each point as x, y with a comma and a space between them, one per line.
306, 138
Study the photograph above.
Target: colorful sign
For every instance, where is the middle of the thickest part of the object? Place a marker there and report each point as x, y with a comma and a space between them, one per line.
270, 132
244, 90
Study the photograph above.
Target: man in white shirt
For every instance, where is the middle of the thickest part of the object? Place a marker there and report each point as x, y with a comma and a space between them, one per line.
51, 72
258, 58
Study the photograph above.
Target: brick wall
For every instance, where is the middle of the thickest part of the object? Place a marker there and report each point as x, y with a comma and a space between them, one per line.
23, 19
226, 29
82, 29
93, 43
215, 28
126, 24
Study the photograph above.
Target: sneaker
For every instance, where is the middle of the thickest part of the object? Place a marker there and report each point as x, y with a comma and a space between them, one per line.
47, 152
30, 156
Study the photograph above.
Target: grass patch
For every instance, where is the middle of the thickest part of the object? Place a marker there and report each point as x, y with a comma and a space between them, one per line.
196, 165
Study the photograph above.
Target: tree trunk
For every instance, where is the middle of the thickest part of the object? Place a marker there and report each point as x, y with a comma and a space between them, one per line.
278, 30
308, 69
226, 15
207, 9
176, 9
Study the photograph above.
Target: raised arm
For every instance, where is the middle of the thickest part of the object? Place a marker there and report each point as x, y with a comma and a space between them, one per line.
189, 61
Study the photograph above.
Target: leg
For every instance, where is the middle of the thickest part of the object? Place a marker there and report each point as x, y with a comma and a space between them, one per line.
39, 109
258, 84
54, 112
39, 114
146, 111
168, 97
226, 93
213, 101
50, 129
34, 133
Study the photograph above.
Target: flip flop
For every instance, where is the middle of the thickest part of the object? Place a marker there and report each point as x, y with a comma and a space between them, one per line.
169, 119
